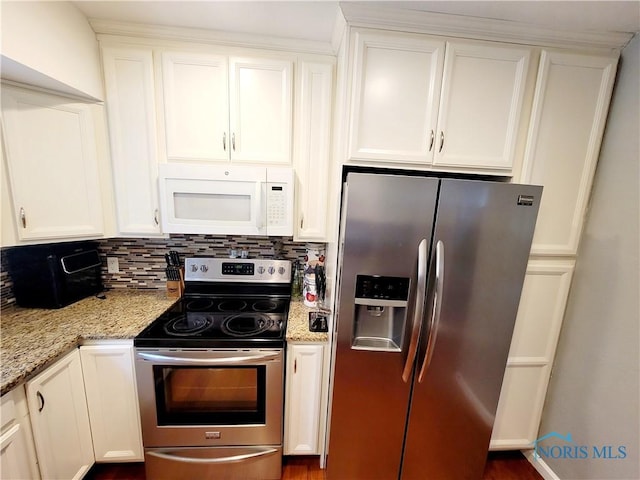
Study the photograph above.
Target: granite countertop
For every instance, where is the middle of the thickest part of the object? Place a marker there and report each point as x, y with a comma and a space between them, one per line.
298, 324
33, 338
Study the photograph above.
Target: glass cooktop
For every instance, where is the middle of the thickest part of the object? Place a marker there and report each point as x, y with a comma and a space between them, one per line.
219, 322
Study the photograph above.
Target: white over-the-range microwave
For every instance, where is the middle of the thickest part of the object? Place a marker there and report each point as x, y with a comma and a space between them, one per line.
235, 200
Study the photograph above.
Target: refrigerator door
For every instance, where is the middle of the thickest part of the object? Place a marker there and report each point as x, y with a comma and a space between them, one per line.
385, 221
482, 236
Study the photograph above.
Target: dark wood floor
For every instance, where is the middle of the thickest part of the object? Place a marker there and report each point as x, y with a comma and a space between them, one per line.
500, 466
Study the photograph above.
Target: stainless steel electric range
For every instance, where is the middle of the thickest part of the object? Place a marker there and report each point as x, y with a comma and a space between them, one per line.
210, 373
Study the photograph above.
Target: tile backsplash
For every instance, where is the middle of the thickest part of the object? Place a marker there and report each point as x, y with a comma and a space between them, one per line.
142, 263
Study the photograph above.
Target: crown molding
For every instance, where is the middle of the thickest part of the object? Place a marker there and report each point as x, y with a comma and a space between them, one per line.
217, 37
370, 15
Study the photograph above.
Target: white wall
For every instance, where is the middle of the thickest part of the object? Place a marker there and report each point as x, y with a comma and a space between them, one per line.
50, 45
594, 390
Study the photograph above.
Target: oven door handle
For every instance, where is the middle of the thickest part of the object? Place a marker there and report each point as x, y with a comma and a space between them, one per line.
242, 359
259, 452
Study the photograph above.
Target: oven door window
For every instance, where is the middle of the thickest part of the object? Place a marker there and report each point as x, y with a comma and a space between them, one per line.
210, 395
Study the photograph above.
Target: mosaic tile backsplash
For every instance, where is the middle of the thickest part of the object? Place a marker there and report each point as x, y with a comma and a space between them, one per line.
142, 263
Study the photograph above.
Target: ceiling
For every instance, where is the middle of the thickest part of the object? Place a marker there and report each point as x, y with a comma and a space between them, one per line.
314, 20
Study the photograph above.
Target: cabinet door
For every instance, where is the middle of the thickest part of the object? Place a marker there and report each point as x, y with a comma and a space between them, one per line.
533, 347
302, 403
17, 459
260, 97
312, 152
569, 113
483, 89
128, 76
59, 418
53, 165
112, 400
394, 101
196, 106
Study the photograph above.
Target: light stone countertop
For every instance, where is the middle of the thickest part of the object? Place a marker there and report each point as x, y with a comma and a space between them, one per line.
298, 324
32, 339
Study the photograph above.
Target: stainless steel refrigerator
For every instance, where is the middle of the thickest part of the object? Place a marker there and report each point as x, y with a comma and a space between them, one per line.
430, 275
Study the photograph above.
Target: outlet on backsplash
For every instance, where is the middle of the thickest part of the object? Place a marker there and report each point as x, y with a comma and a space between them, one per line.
113, 266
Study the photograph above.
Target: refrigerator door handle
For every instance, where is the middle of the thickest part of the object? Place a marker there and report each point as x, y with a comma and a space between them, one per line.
435, 311
421, 292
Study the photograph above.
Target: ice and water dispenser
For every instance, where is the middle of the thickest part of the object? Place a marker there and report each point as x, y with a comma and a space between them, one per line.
380, 313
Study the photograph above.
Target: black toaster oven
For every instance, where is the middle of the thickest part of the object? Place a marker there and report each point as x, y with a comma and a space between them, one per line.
54, 275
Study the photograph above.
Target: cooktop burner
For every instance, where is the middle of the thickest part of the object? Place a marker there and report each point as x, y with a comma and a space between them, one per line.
218, 322
227, 303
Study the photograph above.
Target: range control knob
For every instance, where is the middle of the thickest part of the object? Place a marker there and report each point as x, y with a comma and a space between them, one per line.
271, 270
194, 268
260, 270
203, 268
281, 270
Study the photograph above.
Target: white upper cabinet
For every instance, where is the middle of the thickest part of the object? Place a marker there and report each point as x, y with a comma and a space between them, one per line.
394, 98
312, 149
417, 99
483, 89
52, 160
219, 108
128, 75
569, 113
261, 109
196, 106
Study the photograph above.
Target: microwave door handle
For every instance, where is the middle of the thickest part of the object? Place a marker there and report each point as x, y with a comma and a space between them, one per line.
262, 208
258, 452
434, 322
243, 359
418, 311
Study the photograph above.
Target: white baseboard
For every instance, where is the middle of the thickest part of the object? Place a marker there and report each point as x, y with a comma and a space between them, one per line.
540, 465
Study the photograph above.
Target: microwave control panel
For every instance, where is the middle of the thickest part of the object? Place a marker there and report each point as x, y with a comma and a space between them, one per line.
276, 205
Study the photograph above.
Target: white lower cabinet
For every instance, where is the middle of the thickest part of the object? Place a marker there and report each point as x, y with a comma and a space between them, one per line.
533, 346
17, 454
59, 419
302, 400
109, 379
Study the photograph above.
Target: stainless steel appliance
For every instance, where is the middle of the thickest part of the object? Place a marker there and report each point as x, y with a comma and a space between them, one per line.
210, 373
430, 276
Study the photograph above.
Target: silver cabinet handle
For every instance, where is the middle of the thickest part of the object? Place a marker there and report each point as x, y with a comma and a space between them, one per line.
23, 218
233, 141
421, 292
224, 141
441, 141
41, 398
259, 452
155, 217
433, 136
434, 323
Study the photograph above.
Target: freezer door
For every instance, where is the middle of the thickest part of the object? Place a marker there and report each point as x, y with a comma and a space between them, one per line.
482, 239
385, 220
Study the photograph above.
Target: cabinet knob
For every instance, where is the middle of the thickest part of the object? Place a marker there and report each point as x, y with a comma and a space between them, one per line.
155, 217
233, 141
224, 141
23, 218
433, 136
441, 142
295, 365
